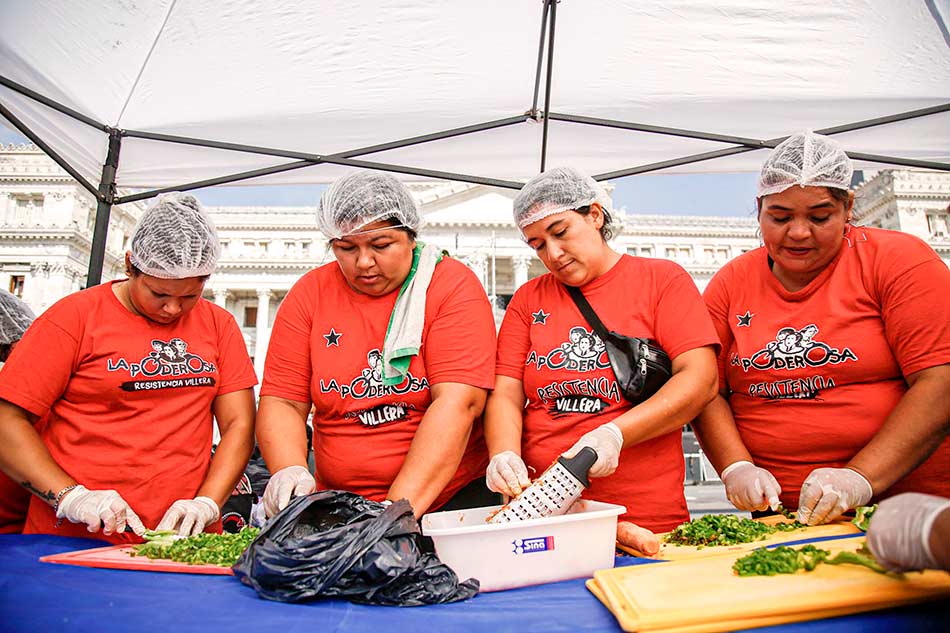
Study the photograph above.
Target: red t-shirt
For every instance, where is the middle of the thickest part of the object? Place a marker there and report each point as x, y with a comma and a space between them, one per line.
570, 388
814, 373
129, 400
326, 348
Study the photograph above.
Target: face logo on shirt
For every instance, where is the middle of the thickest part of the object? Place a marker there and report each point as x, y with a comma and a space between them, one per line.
796, 349
170, 362
174, 351
369, 383
583, 351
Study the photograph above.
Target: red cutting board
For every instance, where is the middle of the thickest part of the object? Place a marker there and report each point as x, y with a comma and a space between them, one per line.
120, 557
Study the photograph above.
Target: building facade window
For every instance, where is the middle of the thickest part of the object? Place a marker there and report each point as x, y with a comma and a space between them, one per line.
16, 285
250, 316
27, 206
640, 251
938, 224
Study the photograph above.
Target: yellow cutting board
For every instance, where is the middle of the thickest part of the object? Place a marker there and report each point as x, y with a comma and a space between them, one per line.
669, 551
705, 595
629, 619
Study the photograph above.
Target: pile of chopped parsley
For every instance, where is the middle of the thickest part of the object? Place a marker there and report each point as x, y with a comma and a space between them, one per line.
725, 529
788, 560
202, 549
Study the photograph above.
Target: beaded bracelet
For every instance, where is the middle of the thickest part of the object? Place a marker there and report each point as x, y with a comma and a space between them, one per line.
62, 493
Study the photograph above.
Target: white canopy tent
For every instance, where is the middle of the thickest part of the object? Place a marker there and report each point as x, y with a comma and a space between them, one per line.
178, 94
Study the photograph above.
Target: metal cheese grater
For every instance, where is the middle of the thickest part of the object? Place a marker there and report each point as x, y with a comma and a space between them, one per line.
553, 492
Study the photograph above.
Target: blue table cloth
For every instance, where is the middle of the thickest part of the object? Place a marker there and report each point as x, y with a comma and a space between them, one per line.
37, 596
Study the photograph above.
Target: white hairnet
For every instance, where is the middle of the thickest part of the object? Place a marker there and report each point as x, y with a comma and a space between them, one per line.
808, 160
175, 239
555, 190
15, 317
364, 197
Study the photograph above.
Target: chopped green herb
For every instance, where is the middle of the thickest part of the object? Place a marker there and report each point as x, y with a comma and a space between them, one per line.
788, 560
779, 560
724, 529
212, 549
857, 558
862, 517
785, 512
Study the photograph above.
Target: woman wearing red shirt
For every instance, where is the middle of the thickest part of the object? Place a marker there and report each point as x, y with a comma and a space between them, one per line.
555, 391
127, 377
393, 346
835, 359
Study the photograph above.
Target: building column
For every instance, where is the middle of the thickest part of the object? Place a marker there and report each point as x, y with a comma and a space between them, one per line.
262, 335
520, 265
221, 297
478, 262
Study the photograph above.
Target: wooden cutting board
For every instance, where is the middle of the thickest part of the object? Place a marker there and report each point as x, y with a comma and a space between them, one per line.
120, 557
705, 595
726, 625
688, 552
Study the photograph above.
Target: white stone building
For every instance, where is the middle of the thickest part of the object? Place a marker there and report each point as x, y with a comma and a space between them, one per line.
46, 225
916, 202
46, 222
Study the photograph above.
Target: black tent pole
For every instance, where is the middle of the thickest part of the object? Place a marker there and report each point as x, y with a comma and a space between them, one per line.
537, 72
742, 140
36, 140
104, 209
547, 84
50, 103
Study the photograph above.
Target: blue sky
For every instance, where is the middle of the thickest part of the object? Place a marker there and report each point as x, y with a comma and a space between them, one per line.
689, 194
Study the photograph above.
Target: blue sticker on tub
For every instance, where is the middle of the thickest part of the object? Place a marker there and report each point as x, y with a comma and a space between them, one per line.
532, 545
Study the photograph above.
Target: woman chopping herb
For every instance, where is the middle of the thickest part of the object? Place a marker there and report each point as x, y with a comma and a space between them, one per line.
127, 377
835, 359
555, 390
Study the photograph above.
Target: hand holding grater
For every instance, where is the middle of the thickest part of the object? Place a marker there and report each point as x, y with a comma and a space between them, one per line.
553, 492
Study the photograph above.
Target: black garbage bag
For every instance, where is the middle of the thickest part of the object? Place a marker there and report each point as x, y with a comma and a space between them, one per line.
335, 544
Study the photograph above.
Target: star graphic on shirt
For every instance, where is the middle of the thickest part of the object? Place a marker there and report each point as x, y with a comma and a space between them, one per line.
745, 320
540, 317
333, 338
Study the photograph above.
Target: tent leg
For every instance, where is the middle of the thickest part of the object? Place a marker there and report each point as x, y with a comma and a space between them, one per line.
547, 83
97, 253
537, 72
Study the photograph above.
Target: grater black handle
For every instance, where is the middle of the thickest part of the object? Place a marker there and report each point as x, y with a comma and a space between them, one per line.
580, 464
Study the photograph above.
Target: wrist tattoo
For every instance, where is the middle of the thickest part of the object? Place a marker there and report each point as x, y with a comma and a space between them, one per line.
48, 496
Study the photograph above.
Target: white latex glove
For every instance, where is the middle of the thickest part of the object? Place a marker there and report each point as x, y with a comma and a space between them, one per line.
606, 440
292, 481
507, 474
190, 516
749, 487
827, 492
899, 533
258, 517
103, 509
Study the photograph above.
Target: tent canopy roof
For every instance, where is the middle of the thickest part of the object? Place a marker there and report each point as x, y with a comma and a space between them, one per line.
328, 77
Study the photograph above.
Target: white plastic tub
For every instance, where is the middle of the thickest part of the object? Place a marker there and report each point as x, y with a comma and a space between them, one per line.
509, 555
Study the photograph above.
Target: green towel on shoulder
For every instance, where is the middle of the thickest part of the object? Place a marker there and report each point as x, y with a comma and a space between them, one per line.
404, 333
